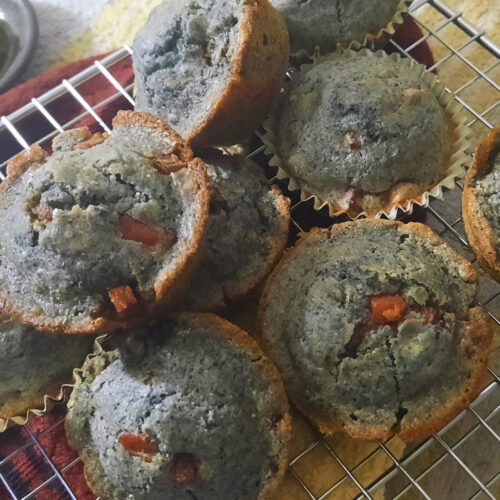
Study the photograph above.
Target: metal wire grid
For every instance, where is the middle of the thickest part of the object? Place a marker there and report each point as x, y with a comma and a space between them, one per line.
442, 216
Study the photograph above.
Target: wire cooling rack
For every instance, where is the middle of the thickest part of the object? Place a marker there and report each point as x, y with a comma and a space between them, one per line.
462, 461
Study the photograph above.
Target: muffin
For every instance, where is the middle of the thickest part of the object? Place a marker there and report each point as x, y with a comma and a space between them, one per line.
324, 23
351, 134
373, 328
34, 365
211, 68
97, 235
189, 408
246, 233
481, 203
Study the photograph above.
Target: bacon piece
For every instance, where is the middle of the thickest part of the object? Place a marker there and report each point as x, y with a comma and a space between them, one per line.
42, 212
147, 234
140, 445
123, 299
387, 308
185, 468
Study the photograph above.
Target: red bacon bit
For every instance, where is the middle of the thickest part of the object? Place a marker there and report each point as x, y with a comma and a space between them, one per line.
150, 236
185, 468
140, 445
387, 308
123, 299
42, 212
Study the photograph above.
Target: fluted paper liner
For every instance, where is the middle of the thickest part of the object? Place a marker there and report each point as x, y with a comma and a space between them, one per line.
402, 196
50, 399
373, 40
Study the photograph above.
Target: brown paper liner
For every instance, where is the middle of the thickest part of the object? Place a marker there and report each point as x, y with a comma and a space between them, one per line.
50, 399
402, 196
372, 40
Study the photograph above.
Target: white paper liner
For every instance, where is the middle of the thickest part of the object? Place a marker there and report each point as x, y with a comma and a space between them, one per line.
457, 161
49, 400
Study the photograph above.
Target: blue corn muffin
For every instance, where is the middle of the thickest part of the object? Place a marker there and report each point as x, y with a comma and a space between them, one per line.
189, 408
97, 235
373, 327
211, 68
246, 233
350, 131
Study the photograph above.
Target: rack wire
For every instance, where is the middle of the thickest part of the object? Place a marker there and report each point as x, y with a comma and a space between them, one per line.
461, 461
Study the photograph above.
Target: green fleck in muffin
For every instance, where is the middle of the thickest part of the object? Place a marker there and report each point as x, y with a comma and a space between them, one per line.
186, 409
373, 328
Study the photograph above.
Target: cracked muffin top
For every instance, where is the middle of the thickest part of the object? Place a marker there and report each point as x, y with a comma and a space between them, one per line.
211, 68
351, 127
33, 364
326, 23
372, 326
246, 232
481, 203
100, 232
189, 408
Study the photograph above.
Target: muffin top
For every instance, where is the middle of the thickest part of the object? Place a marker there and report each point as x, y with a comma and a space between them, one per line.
488, 195
211, 68
181, 41
354, 121
246, 232
98, 233
325, 23
372, 328
34, 363
191, 409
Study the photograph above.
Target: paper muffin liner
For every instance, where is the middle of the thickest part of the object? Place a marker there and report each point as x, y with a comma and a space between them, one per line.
372, 40
402, 196
49, 399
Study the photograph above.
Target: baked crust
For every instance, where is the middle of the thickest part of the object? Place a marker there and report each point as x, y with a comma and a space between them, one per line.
479, 232
257, 74
167, 283
94, 473
476, 342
